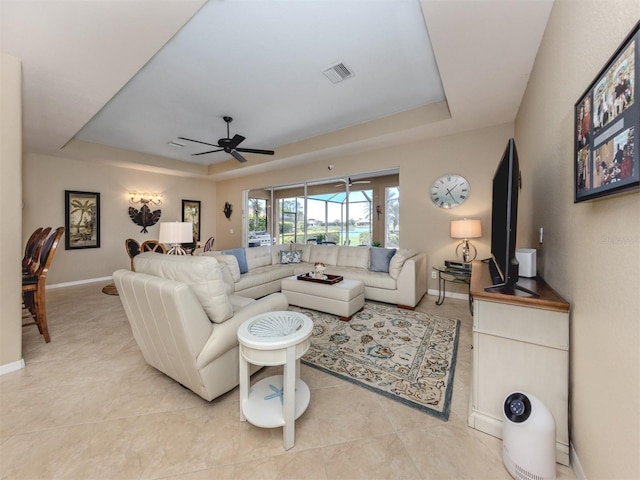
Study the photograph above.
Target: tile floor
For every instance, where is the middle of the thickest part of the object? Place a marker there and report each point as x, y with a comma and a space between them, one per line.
87, 406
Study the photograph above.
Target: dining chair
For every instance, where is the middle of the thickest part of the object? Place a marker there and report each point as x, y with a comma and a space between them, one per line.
208, 244
33, 247
33, 284
152, 246
133, 248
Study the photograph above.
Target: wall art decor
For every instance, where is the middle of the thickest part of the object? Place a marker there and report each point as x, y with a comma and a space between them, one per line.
191, 213
82, 220
228, 210
607, 118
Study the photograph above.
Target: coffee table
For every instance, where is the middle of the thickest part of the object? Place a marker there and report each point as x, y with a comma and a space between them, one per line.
342, 299
274, 338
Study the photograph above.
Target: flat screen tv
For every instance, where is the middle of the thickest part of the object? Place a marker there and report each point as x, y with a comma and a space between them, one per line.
503, 263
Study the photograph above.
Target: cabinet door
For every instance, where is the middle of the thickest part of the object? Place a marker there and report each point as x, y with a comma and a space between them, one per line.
506, 366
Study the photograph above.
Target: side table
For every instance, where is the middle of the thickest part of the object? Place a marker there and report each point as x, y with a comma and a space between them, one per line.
453, 275
274, 338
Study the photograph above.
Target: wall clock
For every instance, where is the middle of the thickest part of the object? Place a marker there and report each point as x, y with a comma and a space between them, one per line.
450, 191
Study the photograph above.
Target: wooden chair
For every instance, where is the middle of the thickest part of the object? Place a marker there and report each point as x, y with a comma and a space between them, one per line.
33, 284
208, 244
32, 249
152, 246
133, 248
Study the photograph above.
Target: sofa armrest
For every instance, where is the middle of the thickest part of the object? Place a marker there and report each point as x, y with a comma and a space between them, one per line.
225, 335
412, 281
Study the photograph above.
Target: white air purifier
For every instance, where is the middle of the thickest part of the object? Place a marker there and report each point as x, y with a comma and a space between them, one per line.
528, 438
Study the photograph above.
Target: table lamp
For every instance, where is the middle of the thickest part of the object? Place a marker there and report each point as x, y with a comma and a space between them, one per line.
175, 233
466, 229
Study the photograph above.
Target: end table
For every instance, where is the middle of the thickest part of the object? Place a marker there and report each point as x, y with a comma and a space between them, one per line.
453, 275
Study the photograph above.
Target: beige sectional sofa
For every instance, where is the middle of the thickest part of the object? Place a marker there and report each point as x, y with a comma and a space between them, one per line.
404, 284
185, 321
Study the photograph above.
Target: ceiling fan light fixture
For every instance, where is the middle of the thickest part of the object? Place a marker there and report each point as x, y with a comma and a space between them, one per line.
338, 72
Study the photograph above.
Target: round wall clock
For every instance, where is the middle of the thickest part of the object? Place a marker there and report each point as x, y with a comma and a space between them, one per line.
450, 191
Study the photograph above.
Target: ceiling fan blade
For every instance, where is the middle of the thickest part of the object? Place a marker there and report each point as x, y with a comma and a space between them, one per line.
238, 157
210, 151
198, 141
254, 150
235, 141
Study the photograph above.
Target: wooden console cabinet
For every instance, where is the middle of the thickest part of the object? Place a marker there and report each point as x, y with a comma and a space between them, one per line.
520, 343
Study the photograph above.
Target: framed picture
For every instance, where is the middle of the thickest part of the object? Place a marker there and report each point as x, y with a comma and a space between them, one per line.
191, 213
607, 118
81, 220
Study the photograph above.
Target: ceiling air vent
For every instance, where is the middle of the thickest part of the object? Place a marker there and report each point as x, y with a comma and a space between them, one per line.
338, 72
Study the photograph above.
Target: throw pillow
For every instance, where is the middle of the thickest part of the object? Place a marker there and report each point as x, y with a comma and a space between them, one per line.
290, 257
241, 256
380, 258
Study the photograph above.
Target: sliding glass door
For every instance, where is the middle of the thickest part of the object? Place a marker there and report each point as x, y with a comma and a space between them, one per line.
340, 211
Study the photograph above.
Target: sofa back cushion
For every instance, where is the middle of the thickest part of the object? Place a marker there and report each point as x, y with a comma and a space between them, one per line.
275, 252
240, 255
304, 248
353, 257
229, 260
401, 256
201, 273
327, 254
258, 256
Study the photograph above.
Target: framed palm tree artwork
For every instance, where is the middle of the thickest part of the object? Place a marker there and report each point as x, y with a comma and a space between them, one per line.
82, 220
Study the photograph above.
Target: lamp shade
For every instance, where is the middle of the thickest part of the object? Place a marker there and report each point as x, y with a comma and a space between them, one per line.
176, 232
466, 228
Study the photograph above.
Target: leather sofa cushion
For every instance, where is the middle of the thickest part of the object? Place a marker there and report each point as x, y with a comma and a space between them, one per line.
328, 254
275, 252
305, 248
353, 257
397, 261
257, 257
201, 273
229, 260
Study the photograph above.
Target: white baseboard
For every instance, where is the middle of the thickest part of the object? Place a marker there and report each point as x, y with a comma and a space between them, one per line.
461, 296
12, 367
575, 464
80, 282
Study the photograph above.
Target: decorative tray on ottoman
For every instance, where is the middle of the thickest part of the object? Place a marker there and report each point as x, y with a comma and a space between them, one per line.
331, 279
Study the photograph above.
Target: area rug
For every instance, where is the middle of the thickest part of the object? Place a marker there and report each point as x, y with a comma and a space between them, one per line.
402, 354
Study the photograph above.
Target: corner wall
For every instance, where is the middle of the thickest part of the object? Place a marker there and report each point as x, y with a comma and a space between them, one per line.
591, 251
10, 216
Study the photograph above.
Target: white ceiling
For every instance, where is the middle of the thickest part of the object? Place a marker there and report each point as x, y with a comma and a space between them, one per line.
137, 74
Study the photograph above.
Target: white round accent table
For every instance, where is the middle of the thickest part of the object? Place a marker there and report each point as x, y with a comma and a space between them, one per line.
274, 338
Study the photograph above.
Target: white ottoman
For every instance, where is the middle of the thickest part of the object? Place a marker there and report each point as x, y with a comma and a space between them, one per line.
343, 299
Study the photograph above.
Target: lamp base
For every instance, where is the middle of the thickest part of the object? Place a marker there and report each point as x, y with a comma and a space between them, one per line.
466, 251
176, 249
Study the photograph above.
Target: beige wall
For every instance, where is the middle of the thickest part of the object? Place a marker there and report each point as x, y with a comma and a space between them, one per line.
10, 204
46, 178
591, 251
423, 226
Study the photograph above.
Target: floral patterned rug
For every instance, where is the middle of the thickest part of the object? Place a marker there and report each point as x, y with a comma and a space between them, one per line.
405, 355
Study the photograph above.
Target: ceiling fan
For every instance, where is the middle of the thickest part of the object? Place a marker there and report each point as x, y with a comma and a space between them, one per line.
348, 181
229, 145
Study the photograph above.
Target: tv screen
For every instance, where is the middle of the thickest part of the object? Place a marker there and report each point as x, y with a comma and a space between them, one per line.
504, 222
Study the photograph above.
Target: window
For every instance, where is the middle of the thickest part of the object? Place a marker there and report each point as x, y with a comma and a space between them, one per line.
344, 211
392, 217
